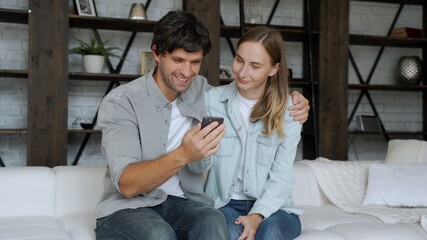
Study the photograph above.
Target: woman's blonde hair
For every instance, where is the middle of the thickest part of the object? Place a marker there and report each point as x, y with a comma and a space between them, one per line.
271, 107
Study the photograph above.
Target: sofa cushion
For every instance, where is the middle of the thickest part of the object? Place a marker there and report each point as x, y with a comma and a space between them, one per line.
408, 151
31, 227
397, 185
79, 226
376, 231
323, 217
27, 191
79, 188
313, 234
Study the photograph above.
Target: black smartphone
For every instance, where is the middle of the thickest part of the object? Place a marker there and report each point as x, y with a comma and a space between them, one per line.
209, 119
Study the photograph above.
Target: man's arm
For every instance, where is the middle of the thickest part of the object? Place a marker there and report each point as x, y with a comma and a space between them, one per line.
299, 111
197, 144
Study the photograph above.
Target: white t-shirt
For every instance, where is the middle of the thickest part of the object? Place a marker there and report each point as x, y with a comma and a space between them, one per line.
178, 126
246, 106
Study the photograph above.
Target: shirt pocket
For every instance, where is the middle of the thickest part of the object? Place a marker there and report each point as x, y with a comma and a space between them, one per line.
267, 149
228, 145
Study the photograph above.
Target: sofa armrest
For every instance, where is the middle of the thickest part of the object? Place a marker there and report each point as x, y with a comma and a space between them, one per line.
307, 190
27, 191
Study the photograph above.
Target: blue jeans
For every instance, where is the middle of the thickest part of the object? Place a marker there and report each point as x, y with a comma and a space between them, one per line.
176, 218
279, 226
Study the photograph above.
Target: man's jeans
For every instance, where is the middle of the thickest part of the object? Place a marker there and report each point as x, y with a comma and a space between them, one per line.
280, 225
176, 218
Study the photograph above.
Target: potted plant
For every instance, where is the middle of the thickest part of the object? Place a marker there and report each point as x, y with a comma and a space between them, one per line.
94, 54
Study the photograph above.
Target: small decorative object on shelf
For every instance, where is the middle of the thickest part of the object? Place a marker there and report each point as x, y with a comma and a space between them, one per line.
409, 70
147, 62
225, 72
85, 123
253, 11
137, 12
94, 54
85, 7
406, 32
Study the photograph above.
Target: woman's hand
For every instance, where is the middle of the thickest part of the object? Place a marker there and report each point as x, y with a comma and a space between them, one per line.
250, 225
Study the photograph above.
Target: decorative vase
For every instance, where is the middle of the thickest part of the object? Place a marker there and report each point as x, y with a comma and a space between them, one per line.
409, 70
93, 63
137, 12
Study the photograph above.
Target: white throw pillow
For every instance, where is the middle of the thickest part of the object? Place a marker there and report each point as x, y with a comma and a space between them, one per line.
397, 185
409, 151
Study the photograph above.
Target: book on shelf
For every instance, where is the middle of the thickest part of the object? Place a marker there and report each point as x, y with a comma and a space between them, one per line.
406, 32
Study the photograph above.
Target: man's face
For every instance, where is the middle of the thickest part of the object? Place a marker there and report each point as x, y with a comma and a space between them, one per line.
176, 70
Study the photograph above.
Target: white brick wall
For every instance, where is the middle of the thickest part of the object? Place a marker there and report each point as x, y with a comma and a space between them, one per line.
397, 109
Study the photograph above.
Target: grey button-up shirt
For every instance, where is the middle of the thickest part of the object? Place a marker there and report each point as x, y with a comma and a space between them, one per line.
135, 120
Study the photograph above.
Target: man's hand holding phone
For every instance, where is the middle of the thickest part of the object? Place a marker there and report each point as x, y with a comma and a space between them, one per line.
203, 140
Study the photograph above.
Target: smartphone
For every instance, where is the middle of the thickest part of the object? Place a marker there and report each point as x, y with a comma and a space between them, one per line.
208, 119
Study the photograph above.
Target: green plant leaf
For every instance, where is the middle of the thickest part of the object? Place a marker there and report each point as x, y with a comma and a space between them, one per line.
93, 48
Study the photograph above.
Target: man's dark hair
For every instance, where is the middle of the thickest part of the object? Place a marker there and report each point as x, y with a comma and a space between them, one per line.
179, 29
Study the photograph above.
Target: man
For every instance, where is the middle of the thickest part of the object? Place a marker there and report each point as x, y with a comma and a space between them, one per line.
151, 132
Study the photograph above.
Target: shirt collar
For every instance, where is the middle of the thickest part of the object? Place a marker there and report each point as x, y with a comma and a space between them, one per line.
191, 102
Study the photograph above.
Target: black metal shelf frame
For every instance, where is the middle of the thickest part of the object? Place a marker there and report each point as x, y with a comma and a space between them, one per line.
113, 83
381, 41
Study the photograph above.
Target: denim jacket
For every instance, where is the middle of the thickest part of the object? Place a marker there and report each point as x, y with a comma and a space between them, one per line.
268, 171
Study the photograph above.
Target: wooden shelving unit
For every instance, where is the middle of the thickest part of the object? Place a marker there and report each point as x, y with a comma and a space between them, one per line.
13, 16
48, 145
290, 33
386, 41
331, 90
118, 24
368, 40
384, 87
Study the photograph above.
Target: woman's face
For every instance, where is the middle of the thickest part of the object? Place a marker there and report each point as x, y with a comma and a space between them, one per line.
252, 67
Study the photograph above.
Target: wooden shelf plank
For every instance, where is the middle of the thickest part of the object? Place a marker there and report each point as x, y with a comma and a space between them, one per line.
75, 75
14, 73
369, 40
24, 131
101, 76
388, 87
13, 16
294, 82
119, 24
289, 33
13, 131
411, 2
83, 131
387, 133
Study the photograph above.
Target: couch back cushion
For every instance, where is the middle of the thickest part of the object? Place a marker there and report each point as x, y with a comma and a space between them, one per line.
27, 191
306, 190
79, 188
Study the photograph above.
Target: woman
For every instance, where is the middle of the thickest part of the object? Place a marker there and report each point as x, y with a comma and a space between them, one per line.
251, 176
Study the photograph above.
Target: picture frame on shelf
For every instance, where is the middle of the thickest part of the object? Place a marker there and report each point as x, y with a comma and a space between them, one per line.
85, 7
225, 72
147, 62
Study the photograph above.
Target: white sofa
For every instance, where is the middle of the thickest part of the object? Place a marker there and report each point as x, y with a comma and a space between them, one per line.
58, 203
323, 220
49, 203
